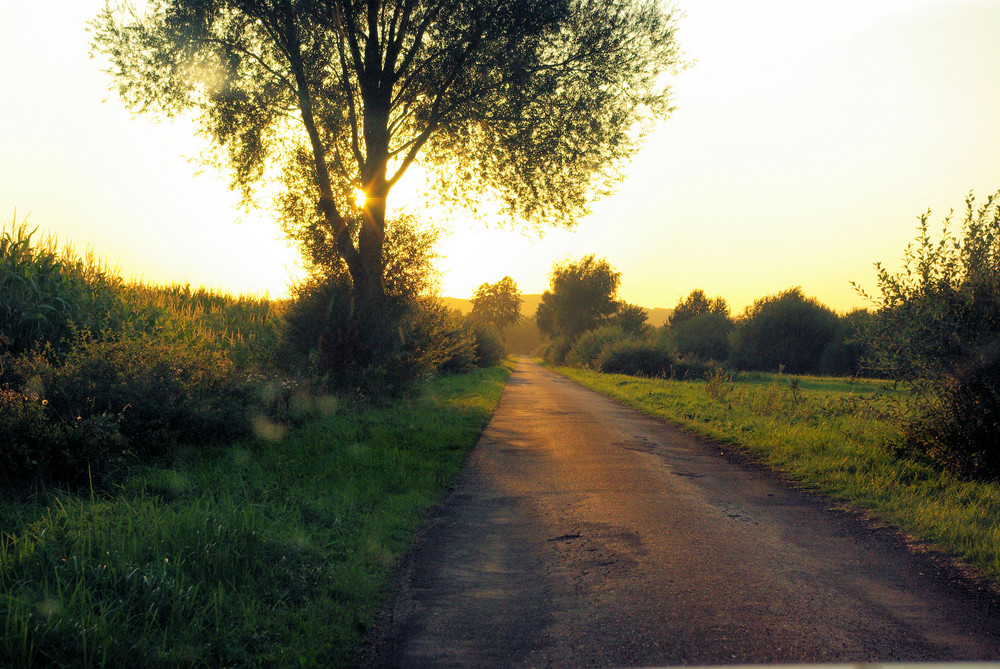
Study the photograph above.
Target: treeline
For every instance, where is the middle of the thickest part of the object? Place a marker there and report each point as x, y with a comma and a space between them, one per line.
934, 328
97, 373
589, 326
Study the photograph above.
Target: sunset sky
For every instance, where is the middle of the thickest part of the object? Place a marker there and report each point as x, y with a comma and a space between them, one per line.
808, 136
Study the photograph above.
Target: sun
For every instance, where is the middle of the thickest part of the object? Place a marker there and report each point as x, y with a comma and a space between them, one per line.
359, 197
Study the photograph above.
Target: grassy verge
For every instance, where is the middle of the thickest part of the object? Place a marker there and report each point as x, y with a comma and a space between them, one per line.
263, 553
830, 435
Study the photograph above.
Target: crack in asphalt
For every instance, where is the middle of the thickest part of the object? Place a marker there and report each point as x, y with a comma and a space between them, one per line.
582, 533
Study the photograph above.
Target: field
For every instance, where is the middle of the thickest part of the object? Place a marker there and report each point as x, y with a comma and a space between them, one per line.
830, 435
256, 553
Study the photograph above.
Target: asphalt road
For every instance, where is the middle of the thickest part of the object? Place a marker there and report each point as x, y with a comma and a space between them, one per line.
582, 533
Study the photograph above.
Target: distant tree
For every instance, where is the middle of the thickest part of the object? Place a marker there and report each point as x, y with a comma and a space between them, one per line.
498, 304
785, 331
937, 329
846, 353
696, 304
631, 318
703, 337
582, 295
534, 104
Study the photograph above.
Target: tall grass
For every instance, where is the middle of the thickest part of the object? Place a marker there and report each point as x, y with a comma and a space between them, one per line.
48, 292
96, 371
261, 553
245, 326
832, 435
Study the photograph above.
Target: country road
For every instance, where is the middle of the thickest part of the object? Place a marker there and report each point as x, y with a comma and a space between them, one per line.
582, 533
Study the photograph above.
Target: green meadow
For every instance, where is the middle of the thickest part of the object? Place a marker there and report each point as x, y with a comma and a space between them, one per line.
254, 553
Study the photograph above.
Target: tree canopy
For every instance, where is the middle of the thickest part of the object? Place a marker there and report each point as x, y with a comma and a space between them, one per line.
785, 331
582, 296
533, 103
498, 304
697, 304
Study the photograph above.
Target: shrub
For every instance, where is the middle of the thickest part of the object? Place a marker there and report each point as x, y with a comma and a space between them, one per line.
785, 331
636, 358
491, 349
936, 329
703, 337
845, 353
439, 339
164, 392
587, 348
37, 445
556, 350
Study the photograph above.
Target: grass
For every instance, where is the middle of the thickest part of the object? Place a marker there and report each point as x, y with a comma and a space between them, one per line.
831, 435
262, 553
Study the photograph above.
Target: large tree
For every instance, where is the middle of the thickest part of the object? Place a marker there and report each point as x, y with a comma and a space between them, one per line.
582, 295
498, 304
534, 104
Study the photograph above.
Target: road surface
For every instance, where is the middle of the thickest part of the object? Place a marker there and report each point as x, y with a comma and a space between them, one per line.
582, 533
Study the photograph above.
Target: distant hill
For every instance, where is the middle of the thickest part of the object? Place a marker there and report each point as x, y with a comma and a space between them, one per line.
656, 316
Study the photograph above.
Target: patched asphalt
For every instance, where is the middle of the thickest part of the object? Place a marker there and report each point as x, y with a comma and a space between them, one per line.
582, 533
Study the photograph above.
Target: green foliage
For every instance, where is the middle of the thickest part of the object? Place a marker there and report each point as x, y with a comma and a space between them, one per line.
937, 328
498, 304
441, 339
631, 318
163, 392
246, 327
534, 105
380, 346
116, 371
254, 554
702, 337
697, 304
635, 358
45, 293
37, 446
785, 331
846, 353
582, 295
587, 348
491, 349
555, 352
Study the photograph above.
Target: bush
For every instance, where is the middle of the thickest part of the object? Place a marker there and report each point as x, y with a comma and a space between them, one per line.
785, 331
491, 349
555, 351
636, 358
936, 329
692, 369
164, 393
37, 446
587, 348
439, 339
957, 425
703, 337
846, 352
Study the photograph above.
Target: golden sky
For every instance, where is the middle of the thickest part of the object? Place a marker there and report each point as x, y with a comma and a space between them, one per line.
807, 138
